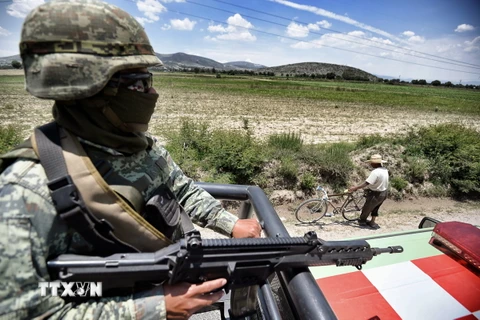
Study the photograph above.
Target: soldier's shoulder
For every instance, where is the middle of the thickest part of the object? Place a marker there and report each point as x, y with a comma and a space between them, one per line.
27, 173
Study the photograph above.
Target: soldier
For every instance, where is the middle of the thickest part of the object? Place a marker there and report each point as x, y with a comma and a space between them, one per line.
92, 58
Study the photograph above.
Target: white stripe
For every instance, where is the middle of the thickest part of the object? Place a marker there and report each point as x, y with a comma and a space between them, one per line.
413, 294
477, 314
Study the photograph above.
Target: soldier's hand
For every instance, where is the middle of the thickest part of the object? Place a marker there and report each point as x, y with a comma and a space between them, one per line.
246, 228
184, 299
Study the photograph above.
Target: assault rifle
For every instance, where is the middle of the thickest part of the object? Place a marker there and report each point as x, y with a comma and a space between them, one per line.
243, 262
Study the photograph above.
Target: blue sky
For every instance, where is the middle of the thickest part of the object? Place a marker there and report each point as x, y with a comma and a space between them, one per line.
405, 38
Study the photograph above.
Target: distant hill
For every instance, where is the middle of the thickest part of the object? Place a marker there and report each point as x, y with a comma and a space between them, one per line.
180, 60
7, 61
317, 68
244, 65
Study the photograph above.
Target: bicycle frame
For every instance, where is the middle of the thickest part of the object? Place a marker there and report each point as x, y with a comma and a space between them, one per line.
312, 210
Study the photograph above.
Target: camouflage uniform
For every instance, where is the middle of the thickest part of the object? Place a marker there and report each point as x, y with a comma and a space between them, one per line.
31, 233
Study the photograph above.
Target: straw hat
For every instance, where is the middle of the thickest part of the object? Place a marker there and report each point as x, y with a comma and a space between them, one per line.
376, 158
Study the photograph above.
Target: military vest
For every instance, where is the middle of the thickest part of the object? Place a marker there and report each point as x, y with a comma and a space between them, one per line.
107, 210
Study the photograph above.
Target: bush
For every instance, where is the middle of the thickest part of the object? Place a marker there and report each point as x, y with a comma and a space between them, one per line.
417, 169
308, 181
236, 153
233, 156
453, 152
398, 183
290, 141
367, 141
332, 162
9, 138
288, 170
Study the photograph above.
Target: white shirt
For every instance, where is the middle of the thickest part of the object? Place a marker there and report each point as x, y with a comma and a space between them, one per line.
378, 179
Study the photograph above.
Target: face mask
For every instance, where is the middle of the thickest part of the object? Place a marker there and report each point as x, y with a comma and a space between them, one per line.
131, 111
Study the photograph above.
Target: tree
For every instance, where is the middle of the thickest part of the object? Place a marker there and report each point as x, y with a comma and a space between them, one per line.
331, 75
436, 83
448, 84
16, 64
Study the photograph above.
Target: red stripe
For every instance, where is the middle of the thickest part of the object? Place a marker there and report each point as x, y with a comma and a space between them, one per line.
469, 317
352, 296
456, 279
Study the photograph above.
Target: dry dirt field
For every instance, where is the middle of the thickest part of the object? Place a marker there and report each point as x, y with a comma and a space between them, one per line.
394, 216
317, 121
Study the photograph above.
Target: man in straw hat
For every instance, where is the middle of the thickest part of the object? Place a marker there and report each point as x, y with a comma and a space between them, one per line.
376, 189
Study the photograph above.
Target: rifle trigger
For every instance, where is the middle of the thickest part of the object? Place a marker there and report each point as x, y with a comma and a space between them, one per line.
231, 268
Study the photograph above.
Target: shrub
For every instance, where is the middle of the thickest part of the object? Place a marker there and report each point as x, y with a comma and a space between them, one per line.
398, 183
453, 152
9, 137
290, 141
332, 162
308, 181
288, 170
417, 169
236, 153
367, 141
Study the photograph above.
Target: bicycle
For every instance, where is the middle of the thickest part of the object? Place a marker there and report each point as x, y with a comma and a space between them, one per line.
312, 210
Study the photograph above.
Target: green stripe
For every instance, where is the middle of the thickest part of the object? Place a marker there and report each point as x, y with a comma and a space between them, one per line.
415, 246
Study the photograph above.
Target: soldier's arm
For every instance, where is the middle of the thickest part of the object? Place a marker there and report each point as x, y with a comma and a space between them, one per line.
204, 210
29, 233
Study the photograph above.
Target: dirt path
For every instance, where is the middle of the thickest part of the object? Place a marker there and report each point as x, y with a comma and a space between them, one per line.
394, 216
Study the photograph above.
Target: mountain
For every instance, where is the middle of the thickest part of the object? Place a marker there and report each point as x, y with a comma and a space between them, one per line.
244, 65
180, 60
7, 61
318, 68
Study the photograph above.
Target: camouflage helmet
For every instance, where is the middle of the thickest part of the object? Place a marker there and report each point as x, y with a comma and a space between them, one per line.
70, 49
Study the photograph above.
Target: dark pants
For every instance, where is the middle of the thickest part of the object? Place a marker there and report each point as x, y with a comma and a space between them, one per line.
373, 202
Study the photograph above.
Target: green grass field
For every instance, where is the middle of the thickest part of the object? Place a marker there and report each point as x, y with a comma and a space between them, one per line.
406, 96
454, 100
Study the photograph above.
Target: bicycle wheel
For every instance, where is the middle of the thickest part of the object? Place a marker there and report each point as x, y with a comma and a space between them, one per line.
352, 209
311, 210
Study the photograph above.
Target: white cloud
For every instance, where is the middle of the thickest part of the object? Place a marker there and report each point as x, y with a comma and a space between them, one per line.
413, 38
217, 28
166, 27
297, 30
151, 9
238, 20
416, 39
184, 24
242, 35
464, 27
20, 8
471, 46
237, 29
143, 20
331, 15
324, 24
4, 32
313, 26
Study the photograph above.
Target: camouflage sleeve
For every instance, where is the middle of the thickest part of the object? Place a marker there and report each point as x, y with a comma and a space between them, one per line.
205, 210
28, 234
